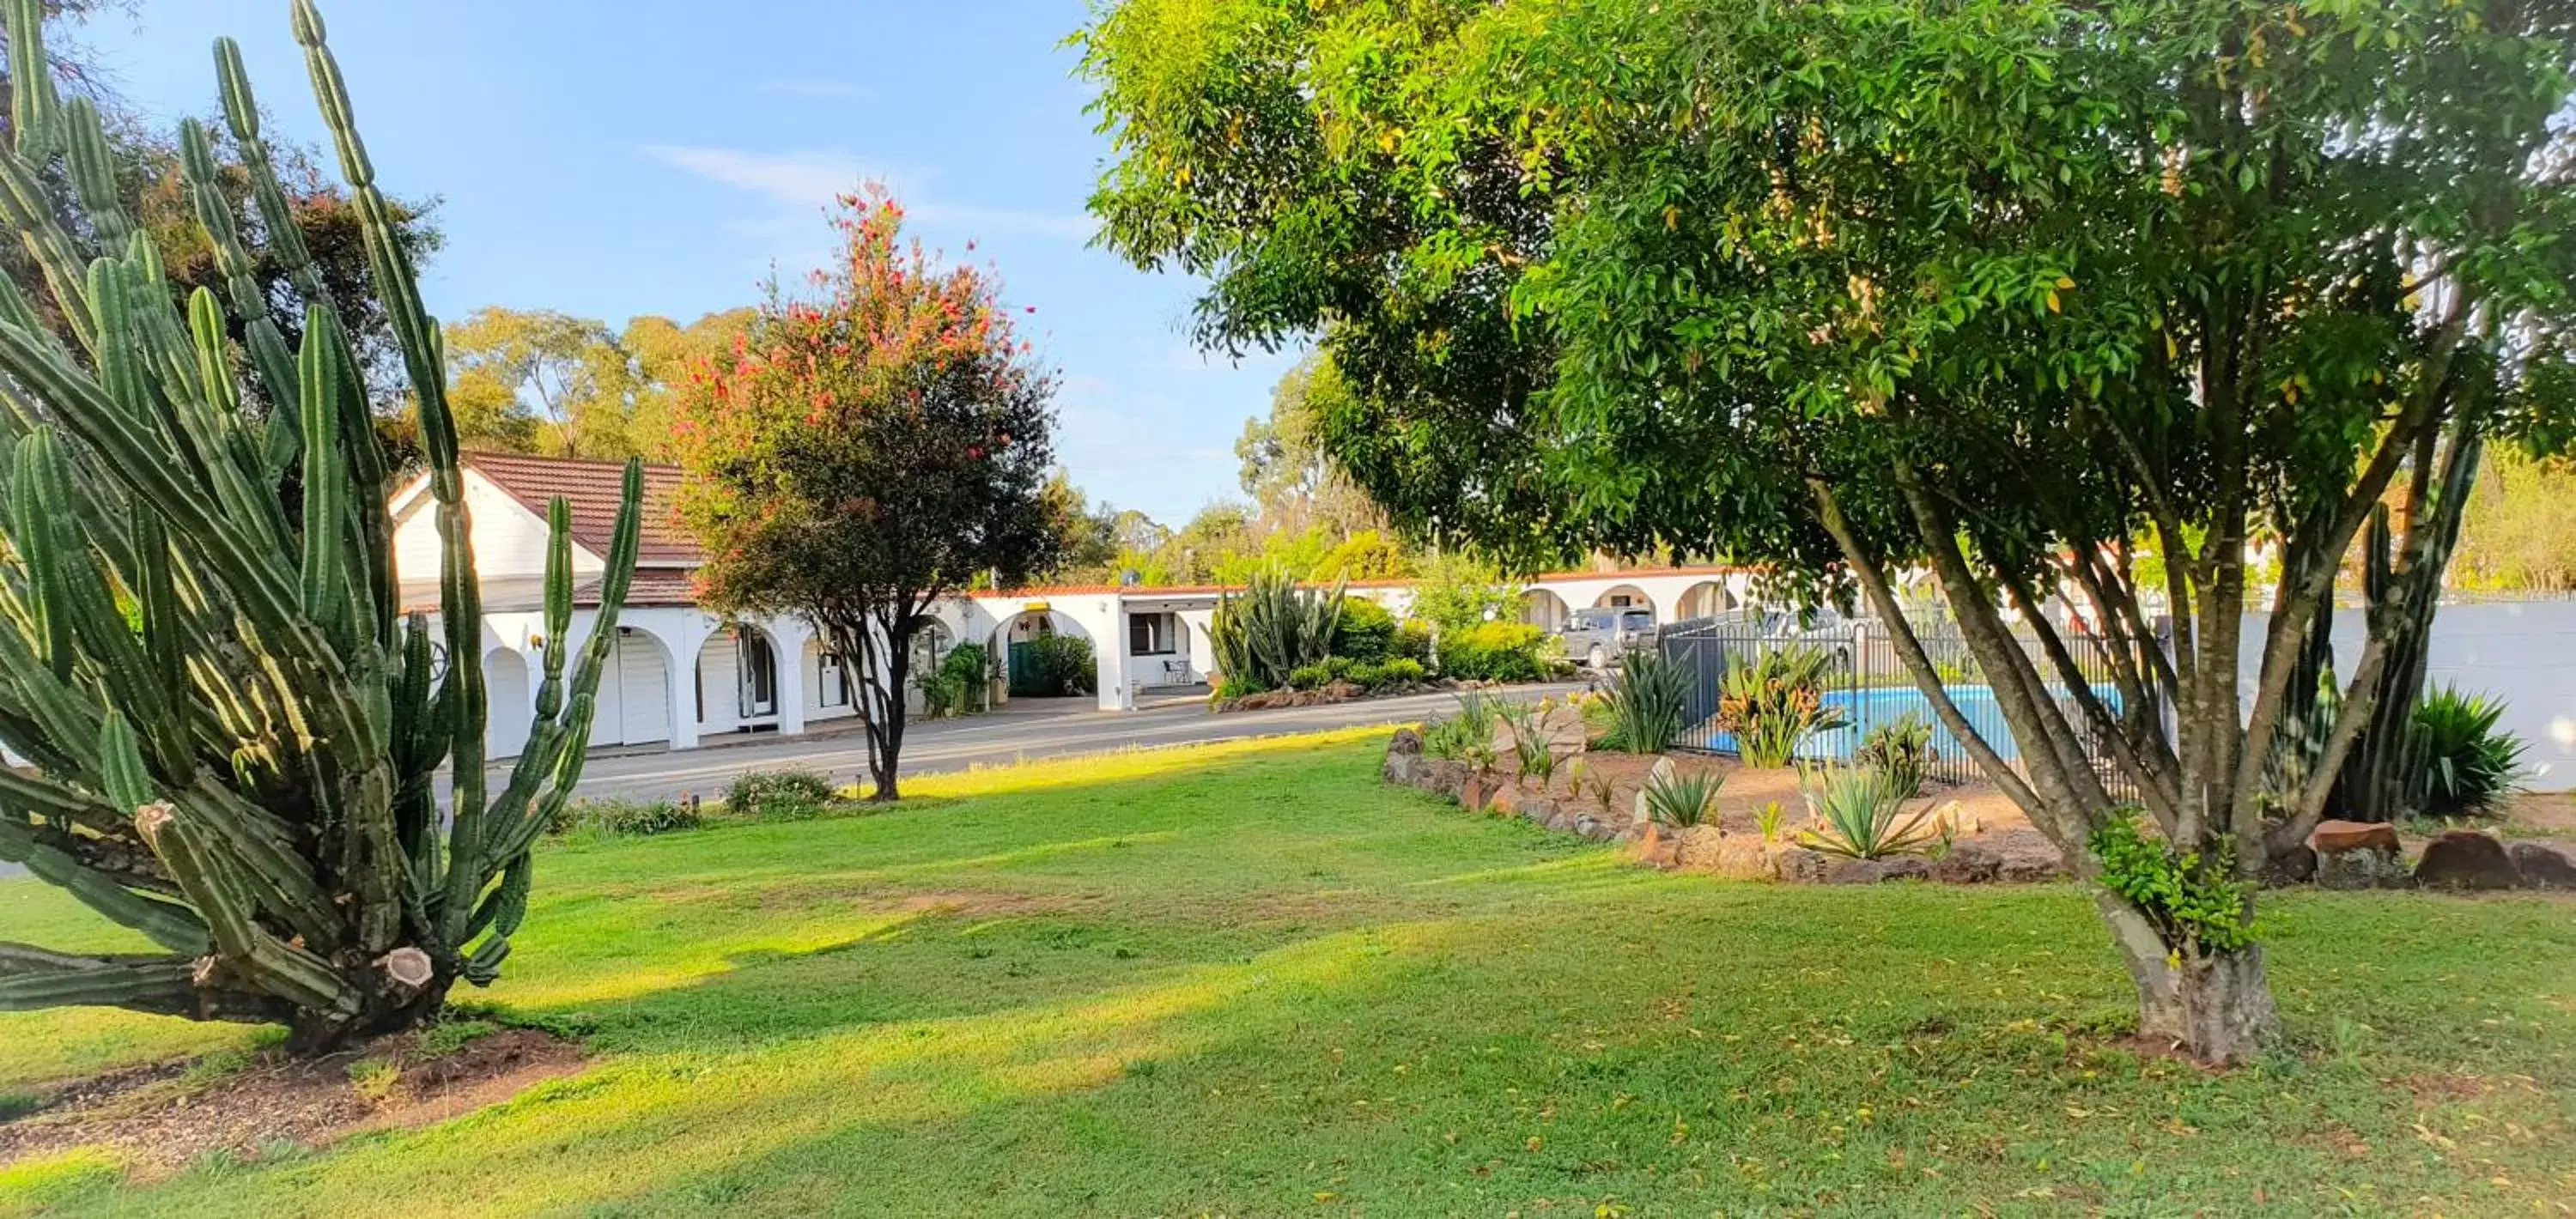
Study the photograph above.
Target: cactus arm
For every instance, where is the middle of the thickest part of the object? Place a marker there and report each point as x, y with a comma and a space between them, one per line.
93, 173
241, 116
26, 207
163, 986
32, 99
325, 587
569, 734
168, 924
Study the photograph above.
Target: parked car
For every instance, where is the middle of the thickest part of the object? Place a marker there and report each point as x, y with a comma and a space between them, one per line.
1599, 637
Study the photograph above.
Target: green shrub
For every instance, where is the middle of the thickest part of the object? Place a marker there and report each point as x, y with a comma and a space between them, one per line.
1680, 801
960, 685
15, 1105
1412, 642
1366, 632
1462, 733
1229, 688
2195, 901
1644, 701
2461, 762
1309, 677
1495, 651
1065, 664
1860, 814
1774, 702
1901, 747
1386, 675
628, 818
780, 795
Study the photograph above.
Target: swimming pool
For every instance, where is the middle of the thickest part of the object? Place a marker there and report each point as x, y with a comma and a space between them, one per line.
1867, 708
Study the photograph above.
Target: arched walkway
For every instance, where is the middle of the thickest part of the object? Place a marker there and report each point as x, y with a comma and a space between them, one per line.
1544, 609
633, 706
931, 643
511, 703
1706, 599
1037, 667
1624, 596
738, 680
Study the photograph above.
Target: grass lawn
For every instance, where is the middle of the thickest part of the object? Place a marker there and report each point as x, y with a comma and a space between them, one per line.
1248, 980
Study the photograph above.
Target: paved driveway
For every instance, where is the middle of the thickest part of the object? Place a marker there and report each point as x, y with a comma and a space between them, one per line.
944, 745
1025, 731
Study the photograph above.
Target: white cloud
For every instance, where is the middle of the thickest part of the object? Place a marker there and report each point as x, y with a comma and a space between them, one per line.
816, 87
810, 179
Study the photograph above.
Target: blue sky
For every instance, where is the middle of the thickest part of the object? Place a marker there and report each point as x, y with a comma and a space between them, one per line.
656, 156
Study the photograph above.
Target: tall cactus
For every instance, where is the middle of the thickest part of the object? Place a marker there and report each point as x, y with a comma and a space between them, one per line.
1273, 627
231, 732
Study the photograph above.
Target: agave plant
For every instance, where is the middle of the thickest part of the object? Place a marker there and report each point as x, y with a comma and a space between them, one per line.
1676, 800
1273, 628
2462, 762
1644, 702
231, 729
1860, 813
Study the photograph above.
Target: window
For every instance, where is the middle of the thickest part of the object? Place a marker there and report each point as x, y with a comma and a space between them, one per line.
1151, 634
831, 680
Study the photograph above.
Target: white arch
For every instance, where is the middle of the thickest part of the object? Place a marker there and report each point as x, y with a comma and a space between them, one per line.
1542, 608
1013, 635
510, 703
1626, 596
739, 679
1706, 599
633, 704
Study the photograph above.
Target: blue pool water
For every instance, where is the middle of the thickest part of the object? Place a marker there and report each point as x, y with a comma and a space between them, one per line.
1864, 710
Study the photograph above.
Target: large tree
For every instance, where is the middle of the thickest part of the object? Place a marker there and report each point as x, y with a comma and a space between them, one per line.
541, 381
1978, 287
868, 451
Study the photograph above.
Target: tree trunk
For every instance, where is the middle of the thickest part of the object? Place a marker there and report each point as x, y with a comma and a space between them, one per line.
2217, 1009
384, 1007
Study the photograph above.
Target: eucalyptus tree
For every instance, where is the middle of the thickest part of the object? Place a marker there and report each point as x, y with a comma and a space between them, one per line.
1982, 287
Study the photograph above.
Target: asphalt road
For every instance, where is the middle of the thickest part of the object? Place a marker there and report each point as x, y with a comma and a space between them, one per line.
1027, 730
988, 740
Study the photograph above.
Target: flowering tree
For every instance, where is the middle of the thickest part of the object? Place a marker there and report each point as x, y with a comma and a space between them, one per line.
866, 452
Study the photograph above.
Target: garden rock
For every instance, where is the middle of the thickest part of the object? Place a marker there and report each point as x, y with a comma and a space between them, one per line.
1538, 809
1474, 792
1444, 775
1875, 871
1798, 865
1967, 863
1699, 844
2361, 869
2296, 866
1402, 768
1405, 740
2331, 837
2466, 859
1506, 800
2542, 866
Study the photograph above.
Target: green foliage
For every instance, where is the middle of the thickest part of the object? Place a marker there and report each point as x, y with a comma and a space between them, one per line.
2460, 759
1387, 675
15, 1104
2196, 901
1677, 800
780, 794
1644, 702
1273, 628
1320, 674
1366, 632
1768, 819
1532, 749
628, 818
1456, 592
1064, 663
1860, 814
1228, 689
204, 650
2520, 527
1774, 702
1902, 749
1464, 731
1496, 651
1412, 641
961, 685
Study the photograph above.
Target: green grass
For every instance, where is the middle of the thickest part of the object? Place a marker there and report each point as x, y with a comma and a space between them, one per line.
1249, 980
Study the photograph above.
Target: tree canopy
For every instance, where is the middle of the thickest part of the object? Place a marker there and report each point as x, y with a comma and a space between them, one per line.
864, 452
1980, 287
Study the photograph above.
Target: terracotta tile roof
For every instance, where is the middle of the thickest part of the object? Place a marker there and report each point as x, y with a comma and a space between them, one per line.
592, 487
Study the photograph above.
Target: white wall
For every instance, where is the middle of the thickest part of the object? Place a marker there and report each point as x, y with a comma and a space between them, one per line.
509, 540
2523, 652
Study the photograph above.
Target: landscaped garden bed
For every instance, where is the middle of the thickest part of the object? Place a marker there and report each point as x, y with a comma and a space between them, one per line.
1280, 645
1829, 824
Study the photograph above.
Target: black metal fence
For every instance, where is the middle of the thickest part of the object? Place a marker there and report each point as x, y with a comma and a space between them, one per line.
1868, 686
